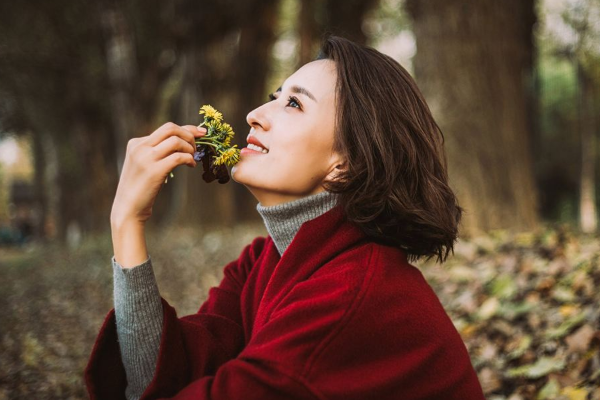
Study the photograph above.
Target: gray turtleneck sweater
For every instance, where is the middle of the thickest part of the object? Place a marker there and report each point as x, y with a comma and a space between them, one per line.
138, 308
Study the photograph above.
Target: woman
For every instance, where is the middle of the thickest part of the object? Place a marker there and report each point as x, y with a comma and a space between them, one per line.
351, 183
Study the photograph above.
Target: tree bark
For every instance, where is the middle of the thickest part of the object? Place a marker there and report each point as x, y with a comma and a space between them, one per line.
588, 213
345, 17
121, 67
474, 66
257, 36
308, 31
338, 17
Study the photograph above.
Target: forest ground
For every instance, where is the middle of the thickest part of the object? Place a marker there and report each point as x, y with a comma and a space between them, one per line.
526, 305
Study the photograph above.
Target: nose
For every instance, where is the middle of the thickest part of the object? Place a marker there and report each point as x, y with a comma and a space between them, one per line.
257, 118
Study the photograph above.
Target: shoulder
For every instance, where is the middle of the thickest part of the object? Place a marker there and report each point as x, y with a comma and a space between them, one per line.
371, 264
394, 288
394, 319
386, 301
369, 273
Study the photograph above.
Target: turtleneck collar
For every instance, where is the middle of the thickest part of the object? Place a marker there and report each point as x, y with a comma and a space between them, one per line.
284, 220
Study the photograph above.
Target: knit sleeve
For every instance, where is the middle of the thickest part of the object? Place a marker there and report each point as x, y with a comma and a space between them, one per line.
139, 317
189, 346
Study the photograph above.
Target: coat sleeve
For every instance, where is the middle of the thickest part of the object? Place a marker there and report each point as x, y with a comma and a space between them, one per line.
194, 345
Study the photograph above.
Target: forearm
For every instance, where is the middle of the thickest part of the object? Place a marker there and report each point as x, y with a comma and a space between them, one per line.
129, 242
139, 319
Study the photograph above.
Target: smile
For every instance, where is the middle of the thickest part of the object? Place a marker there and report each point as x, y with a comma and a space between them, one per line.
253, 149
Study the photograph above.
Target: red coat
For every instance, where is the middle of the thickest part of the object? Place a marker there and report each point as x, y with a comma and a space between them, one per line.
336, 317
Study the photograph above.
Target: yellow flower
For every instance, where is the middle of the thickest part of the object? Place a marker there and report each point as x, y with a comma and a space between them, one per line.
230, 156
210, 112
216, 125
227, 128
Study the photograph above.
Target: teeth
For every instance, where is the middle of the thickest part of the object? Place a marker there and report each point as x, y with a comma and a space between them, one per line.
257, 148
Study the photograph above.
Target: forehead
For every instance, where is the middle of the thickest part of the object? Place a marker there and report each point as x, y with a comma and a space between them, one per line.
319, 77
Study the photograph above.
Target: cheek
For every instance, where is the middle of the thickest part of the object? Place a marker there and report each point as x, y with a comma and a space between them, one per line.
294, 164
304, 158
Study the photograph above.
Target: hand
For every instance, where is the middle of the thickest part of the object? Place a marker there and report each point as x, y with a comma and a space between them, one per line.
148, 161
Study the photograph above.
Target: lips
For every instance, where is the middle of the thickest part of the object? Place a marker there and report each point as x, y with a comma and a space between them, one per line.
252, 139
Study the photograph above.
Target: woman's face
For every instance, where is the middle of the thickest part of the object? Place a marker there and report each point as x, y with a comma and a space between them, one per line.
297, 129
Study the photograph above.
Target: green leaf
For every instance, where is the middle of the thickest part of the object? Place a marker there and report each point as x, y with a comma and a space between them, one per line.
513, 310
567, 326
540, 368
503, 286
550, 390
524, 344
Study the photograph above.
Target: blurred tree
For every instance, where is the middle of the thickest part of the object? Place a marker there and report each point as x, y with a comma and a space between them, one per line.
584, 54
85, 86
474, 64
86, 78
51, 69
338, 17
569, 68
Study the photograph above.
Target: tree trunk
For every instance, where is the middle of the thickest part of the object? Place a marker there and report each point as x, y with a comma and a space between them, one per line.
308, 31
121, 66
40, 161
345, 17
257, 36
474, 67
588, 214
338, 17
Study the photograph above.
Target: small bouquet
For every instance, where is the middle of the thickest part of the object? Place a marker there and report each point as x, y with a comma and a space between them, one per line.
214, 149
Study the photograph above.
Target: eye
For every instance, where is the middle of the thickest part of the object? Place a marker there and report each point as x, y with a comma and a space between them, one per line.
291, 100
294, 100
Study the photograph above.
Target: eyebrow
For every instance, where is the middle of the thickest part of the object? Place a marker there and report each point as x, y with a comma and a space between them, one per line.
300, 90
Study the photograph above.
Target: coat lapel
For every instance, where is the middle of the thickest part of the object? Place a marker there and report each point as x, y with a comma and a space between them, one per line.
317, 242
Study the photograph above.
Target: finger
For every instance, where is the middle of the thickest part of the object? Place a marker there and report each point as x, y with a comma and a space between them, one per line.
170, 129
198, 132
172, 145
169, 163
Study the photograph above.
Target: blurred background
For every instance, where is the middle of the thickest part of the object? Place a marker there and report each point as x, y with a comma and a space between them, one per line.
514, 86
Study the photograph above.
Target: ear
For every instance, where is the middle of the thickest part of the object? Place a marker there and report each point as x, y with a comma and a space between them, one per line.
337, 166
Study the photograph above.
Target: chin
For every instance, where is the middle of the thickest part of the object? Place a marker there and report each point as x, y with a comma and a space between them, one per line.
238, 176
234, 174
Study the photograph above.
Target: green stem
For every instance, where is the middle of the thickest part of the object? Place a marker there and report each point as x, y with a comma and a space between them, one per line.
210, 144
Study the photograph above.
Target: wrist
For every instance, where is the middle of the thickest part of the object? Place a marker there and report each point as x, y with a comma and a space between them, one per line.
118, 223
129, 242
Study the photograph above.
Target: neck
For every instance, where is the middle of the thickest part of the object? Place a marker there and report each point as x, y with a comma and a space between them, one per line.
284, 220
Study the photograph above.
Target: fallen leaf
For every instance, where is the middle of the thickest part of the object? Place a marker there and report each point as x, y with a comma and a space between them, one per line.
567, 326
541, 367
523, 344
574, 393
489, 308
568, 309
489, 380
580, 340
550, 390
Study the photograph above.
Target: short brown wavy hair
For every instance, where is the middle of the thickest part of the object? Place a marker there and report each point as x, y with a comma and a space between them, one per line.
395, 184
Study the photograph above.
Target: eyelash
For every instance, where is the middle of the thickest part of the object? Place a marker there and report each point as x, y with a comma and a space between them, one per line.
290, 99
